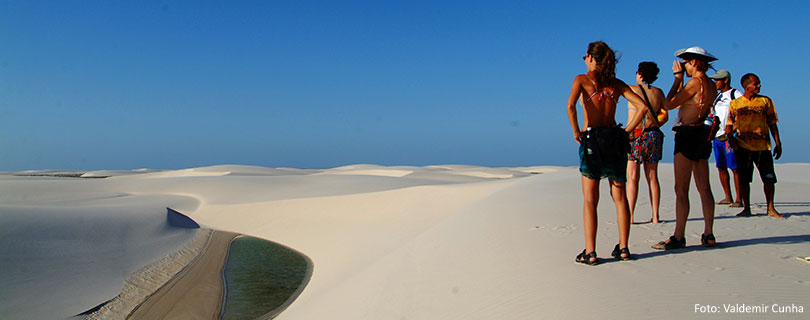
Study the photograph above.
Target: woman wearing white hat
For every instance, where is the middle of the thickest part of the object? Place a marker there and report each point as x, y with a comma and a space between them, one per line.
692, 141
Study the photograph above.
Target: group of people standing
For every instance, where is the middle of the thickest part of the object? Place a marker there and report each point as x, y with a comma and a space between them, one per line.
737, 126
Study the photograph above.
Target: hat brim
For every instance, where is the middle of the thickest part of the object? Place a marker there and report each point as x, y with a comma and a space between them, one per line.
691, 55
698, 56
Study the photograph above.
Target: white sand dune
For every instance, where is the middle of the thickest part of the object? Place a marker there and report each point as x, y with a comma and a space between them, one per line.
436, 242
59, 260
371, 172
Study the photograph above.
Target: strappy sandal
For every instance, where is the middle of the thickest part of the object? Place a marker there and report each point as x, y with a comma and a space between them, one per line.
708, 240
617, 253
586, 258
671, 245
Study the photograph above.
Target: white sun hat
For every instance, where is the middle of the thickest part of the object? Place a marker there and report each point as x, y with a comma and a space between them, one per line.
695, 52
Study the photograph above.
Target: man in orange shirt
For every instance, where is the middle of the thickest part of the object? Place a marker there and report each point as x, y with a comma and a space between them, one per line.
752, 120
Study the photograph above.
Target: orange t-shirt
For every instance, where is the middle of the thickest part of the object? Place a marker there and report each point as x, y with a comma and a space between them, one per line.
750, 119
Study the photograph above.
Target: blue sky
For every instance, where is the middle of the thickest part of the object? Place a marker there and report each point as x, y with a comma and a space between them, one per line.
311, 84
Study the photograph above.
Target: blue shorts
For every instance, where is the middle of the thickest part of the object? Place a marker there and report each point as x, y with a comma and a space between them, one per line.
724, 155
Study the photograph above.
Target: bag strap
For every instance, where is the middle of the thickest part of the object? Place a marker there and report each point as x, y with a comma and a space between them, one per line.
730, 95
649, 106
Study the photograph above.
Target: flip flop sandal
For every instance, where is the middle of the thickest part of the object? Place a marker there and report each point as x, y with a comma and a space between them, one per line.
671, 245
617, 253
586, 258
708, 240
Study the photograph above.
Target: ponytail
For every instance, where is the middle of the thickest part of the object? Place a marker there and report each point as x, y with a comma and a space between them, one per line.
605, 62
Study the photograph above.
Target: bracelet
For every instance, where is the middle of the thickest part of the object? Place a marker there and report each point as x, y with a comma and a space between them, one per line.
681, 72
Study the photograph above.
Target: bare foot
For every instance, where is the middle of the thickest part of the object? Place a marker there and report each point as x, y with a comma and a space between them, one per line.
737, 204
775, 214
724, 201
744, 213
656, 221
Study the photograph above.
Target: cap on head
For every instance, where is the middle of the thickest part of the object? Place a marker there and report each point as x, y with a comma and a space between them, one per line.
695, 52
721, 74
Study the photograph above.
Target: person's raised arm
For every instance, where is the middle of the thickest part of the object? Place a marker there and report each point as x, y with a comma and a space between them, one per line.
677, 85
679, 93
576, 90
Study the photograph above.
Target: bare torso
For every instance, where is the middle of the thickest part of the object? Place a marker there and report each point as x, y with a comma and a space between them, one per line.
598, 104
657, 100
697, 107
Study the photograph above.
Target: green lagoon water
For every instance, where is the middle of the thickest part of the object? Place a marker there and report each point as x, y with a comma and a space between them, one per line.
260, 277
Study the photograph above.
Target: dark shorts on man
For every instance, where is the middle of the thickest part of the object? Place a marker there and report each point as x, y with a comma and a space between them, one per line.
603, 154
693, 142
724, 156
746, 159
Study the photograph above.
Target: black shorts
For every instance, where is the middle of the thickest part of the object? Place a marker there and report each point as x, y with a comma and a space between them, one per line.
693, 142
603, 154
763, 160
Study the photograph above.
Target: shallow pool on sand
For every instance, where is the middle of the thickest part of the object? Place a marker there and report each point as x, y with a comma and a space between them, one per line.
261, 278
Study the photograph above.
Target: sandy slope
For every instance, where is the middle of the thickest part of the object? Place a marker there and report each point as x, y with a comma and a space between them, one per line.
465, 242
59, 259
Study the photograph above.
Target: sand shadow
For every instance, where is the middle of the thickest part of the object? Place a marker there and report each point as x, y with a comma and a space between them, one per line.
759, 214
93, 309
768, 240
764, 214
176, 219
787, 204
700, 218
728, 244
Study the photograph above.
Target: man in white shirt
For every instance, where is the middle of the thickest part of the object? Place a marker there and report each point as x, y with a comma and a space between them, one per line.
723, 154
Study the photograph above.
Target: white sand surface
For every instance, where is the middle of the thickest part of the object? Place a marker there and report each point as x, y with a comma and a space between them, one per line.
436, 242
59, 258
